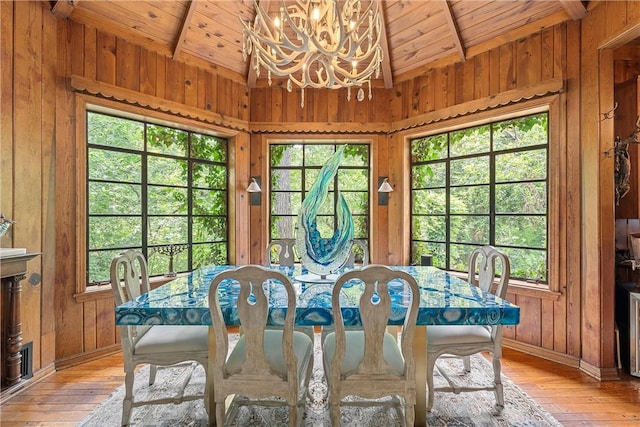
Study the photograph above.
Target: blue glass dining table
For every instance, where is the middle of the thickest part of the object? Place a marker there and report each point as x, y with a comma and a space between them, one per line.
445, 299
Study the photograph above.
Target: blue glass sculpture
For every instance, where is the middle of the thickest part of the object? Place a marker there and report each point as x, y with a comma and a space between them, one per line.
318, 254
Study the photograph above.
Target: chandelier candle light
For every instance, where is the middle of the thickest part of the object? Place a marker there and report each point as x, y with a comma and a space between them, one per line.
317, 43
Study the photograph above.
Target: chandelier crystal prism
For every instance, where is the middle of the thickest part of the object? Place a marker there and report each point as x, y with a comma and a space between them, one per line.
317, 43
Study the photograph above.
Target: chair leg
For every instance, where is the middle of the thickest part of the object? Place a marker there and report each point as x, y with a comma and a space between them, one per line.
153, 370
335, 415
293, 415
220, 412
498, 383
127, 403
431, 362
409, 415
467, 364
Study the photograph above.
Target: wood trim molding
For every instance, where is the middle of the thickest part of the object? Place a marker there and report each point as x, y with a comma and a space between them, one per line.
548, 87
105, 90
543, 353
319, 127
78, 359
601, 374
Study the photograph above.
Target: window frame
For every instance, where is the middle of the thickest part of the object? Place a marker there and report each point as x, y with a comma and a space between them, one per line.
85, 103
557, 169
332, 142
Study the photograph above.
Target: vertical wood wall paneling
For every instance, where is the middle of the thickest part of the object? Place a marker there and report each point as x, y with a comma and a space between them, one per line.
547, 63
224, 96
379, 239
106, 58
49, 76
607, 203
191, 86
240, 202
494, 71
507, 67
175, 81
90, 331
7, 29
333, 102
481, 75
258, 216
564, 207
105, 328
69, 320
27, 151
148, 72
89, 52
161, 76
127, 65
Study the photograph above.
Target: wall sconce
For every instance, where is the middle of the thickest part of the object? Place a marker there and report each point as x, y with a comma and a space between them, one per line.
255, 191
384, 188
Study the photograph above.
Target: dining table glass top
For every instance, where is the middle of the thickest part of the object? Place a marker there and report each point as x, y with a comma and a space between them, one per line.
445, 299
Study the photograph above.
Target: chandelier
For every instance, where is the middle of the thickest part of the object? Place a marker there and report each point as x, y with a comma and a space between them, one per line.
317, 43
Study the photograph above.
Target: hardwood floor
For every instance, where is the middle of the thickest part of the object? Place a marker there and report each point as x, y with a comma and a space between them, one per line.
573, 398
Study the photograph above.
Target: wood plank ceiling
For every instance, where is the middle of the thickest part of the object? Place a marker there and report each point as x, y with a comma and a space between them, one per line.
419, 33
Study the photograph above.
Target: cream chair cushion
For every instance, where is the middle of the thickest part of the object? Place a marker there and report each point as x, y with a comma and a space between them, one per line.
173, 338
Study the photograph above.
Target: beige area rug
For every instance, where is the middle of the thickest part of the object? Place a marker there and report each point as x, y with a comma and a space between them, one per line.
465, 409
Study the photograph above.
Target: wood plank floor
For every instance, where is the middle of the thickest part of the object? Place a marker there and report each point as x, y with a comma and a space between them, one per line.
573, 398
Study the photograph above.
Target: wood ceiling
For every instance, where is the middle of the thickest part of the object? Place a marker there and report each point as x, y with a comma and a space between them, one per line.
419, 33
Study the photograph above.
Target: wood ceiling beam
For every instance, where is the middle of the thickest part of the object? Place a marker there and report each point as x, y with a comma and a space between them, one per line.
386, 56
453, 27
575, 9
64, 8
186, 21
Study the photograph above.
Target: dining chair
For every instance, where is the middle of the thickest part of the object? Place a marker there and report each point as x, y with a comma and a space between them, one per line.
283, 250
465, 340
368, 362
265, 362
359, 248
156, 345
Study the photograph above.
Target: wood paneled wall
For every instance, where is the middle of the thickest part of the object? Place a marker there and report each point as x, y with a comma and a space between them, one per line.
27, 163
40, 142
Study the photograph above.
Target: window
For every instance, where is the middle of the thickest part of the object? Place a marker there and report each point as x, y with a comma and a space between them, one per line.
156, 189
294, 168
483, 185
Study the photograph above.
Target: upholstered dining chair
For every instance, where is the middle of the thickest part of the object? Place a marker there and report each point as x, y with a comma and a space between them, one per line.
265, 362
157, 345
284, 251
465, 340
368, 362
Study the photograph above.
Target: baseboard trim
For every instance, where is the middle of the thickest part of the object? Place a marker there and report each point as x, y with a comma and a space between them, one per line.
25, 384
601, 374
543, 353
68, 362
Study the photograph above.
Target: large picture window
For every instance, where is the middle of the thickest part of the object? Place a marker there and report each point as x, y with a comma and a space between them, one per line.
294, 168
483, 185
157, 189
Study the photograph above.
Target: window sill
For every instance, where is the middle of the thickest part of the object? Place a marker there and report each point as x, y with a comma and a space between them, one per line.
93, 293
524, 288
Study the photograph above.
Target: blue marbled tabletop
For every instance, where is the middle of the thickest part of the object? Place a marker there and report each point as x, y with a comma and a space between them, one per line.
444, 300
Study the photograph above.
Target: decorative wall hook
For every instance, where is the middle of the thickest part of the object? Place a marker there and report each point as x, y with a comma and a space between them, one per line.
609, 114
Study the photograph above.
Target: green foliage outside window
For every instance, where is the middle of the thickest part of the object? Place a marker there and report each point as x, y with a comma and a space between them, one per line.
151, 186
483, 185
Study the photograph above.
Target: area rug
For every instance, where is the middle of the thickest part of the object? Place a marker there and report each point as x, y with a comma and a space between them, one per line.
462, 410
